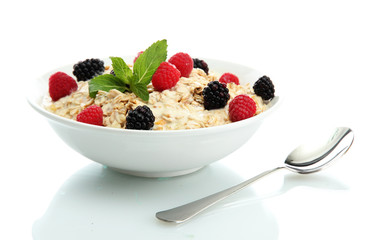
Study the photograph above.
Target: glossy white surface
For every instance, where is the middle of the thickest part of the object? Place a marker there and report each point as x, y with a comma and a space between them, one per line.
94, 201
154, 153
322, 52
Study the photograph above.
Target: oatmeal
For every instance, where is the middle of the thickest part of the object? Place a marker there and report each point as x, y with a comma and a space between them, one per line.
155, 93
180, 107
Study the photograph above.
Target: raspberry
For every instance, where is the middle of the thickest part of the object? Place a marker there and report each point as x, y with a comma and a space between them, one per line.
165, 77
183, 62
137, 56
86, 70
241, 107
216, 95
61, 85
140, 118
91, 115
198, 63
228, 78
264, 88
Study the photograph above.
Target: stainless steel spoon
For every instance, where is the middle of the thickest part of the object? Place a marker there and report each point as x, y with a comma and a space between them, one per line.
305, 159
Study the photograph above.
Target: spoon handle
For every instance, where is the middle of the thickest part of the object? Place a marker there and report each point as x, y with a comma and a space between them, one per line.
189, 210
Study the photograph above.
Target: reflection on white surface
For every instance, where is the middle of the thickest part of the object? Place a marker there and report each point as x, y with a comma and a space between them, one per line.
284, 181
97, 203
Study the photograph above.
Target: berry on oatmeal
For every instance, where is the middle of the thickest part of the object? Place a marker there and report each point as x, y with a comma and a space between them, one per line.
61, 85
264, 88
198, 63
215, 95
141, 118
165, 77
241, 107
86, 70
91, 115
122, 88
228, 78
183, 62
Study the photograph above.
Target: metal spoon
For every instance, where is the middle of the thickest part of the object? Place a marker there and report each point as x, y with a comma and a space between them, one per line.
304, 159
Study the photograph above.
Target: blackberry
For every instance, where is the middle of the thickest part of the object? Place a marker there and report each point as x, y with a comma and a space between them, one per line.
215, 95
264, 88
86, 70
140, 118
198, 63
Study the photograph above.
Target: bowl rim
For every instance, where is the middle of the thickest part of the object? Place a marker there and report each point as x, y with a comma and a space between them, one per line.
273, 105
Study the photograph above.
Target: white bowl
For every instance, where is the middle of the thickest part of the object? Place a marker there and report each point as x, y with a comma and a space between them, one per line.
153, 153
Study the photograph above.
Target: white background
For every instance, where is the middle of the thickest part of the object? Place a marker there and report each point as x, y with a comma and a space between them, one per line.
322, 56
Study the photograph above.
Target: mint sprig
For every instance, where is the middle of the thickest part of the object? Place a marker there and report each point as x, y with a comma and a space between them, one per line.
105, 82
135, 81
147, 63
121, 69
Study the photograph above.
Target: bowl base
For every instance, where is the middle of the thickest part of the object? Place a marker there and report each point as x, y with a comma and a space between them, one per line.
156, 174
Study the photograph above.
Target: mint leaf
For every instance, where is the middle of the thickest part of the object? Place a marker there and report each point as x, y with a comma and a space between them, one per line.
147, 63
140, 90
105, 82
121, 69
126, 80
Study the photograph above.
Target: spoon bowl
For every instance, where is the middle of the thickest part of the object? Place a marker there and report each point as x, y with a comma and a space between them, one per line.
307, 158
310, 158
